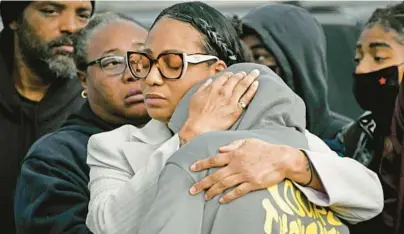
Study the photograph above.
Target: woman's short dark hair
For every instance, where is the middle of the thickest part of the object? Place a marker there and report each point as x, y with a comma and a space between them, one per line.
389, 17
97, 22
220, 38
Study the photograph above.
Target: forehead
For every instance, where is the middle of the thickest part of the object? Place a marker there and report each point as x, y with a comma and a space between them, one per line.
171, 34
64, 4
121, 35
378, 34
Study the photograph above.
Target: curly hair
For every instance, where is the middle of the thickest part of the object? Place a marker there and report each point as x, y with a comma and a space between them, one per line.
389, 17
219, 36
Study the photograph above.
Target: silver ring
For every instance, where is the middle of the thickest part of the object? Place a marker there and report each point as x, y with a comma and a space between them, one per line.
242, 104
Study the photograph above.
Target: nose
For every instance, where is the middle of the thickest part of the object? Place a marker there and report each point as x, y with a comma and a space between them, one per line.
69, 23
127, 76
154, 77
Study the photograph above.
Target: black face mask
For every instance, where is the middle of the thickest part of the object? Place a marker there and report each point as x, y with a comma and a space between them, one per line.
377, 91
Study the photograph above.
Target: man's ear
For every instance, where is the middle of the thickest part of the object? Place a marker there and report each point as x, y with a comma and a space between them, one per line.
83, 78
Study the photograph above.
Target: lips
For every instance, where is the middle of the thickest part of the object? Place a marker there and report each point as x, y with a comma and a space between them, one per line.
134, 96
154, 99
154, 96
65, 48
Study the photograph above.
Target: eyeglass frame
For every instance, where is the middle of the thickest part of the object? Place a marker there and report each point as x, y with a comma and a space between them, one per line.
98, 61
198, 58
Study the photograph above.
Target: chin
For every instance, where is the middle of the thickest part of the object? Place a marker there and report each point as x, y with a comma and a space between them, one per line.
159, 114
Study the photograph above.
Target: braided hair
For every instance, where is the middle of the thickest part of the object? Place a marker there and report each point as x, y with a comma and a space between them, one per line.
391, 17
219, 36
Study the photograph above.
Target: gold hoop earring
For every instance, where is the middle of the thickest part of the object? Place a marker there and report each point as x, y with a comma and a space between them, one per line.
84, 94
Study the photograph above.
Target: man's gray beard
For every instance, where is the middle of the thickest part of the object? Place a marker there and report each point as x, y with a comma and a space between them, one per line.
39, 57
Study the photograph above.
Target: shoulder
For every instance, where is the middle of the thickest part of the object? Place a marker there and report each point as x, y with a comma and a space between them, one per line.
107, 148
65, 149
62, 141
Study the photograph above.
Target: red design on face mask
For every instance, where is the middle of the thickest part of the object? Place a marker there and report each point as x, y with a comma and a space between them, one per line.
382, 81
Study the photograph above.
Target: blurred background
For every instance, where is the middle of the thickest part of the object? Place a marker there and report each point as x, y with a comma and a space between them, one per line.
341, 20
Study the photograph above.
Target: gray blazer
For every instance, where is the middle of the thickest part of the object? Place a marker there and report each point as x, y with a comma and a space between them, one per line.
276, 115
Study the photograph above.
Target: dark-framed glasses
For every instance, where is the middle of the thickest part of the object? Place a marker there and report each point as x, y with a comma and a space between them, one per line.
170, 65
112, 64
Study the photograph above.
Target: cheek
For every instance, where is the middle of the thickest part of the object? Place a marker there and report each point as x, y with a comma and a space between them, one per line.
192, 77
400, 73
45, 29
104, 91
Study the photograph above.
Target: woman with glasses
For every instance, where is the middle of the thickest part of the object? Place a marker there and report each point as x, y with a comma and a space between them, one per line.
52, 194
140, 179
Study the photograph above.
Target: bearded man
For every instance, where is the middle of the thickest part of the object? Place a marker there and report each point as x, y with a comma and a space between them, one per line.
39, 88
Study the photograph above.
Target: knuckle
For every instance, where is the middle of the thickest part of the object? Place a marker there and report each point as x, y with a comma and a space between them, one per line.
221, 185
238, 191
212, 161
222, 92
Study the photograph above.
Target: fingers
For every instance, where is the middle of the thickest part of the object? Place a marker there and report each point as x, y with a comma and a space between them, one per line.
219, 82
249, 95
237, 192
218, 160
210, 180
204, 85
233, 146
231, 83
244, 85
222, 185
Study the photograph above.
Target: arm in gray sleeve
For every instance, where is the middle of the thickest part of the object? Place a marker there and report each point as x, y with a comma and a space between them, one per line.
171, 211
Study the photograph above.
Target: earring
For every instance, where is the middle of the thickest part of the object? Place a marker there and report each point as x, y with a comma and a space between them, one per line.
84, 94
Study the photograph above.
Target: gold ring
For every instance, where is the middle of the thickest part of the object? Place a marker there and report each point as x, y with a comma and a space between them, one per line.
242, 104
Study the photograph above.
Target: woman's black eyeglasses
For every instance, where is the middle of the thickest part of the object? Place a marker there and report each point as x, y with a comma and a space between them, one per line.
170, 65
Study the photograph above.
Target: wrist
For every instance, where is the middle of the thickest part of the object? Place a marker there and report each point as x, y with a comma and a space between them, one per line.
187, 132
298, 167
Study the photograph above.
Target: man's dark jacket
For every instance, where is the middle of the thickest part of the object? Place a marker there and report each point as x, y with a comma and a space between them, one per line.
22, 124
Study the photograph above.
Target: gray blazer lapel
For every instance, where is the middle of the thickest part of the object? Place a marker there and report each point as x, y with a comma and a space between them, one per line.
143, 142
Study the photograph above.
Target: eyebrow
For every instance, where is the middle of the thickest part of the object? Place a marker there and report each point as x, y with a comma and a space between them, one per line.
110, 51
55, 4
258, 46
150, 52
83, 9
375, 45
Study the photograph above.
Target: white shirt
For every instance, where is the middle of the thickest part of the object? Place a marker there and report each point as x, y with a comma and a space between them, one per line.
125, 165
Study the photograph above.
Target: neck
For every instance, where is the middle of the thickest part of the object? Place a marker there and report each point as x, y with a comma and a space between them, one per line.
116, 120
27, 82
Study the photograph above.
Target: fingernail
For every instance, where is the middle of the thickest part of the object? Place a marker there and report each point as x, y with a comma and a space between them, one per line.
192, 191
255, 72
255, 83
243, 73
206, 197
221, 200
193, 167
208, 81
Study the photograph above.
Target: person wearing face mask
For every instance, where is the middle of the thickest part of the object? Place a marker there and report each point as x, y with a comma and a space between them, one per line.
377, 77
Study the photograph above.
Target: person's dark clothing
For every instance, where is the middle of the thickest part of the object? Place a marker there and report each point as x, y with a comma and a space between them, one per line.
298, 43
23, 121
52, 194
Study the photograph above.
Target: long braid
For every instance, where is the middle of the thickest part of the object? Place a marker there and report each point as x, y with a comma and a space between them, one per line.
218, 34
216, 39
